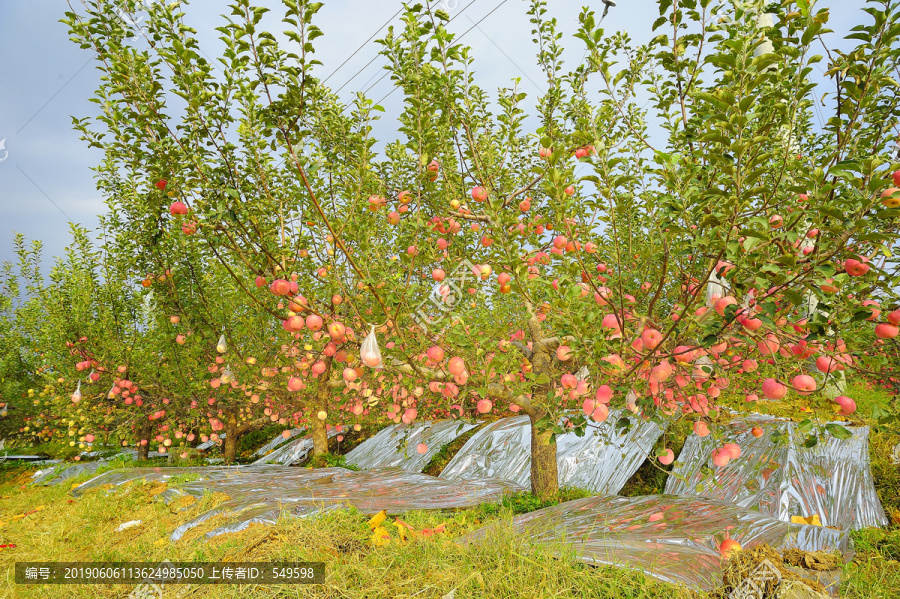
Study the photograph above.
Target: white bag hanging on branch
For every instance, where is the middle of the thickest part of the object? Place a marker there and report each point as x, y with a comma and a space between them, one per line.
221, 346
76, 397
370, 352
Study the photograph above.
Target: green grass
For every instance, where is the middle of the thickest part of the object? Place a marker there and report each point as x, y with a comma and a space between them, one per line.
329, 460
525, 502
253, 440
440, 460
183, 478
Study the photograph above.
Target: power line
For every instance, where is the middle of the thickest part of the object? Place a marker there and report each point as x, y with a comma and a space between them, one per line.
374, 58
45, 194
362, 46
380, 79
457, 39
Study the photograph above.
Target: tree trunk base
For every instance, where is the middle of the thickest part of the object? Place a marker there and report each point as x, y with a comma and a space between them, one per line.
320, 437
544, 476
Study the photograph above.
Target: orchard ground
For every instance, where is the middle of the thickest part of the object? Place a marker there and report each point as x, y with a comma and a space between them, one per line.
58, 527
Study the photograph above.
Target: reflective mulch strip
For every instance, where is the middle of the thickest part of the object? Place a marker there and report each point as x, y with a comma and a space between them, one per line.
832, 480
396, 446
262, 494
293, 452
277, 441
675, 539
602, 460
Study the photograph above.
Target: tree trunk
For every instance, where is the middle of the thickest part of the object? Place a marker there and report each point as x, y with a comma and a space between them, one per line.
319, 430
544, 473
232, 434
143, 433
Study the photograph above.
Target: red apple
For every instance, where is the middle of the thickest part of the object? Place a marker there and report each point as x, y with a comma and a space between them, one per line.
886, 331
855, 268
650, 338
667, 458
803, 384
435, 354
894, 317
772, 389
728, 547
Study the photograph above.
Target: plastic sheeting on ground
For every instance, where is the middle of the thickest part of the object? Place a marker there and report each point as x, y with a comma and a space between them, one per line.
208, 444
396, 446
832, 479
261, 494
64, 472
23, 458
54, 476
675, 539
293, 452
602, 460
277, 441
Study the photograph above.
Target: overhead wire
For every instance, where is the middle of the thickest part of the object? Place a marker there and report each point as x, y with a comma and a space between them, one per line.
364, 44
374, 58
456, 39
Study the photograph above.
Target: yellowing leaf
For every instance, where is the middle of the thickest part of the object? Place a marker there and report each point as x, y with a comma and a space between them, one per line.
380, 536
161, 542
377, 519
401, 530
812, 520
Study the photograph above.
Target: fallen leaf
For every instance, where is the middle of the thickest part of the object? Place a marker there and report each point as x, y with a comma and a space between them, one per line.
377, 519
401, 530
380, 536
812, 520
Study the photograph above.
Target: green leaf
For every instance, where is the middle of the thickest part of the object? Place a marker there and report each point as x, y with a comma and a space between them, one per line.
838, 432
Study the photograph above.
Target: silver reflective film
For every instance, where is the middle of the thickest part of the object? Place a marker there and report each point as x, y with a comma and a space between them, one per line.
291, 453
277, 442
832, 480
398, 445
263, 494
675, 539
602, 460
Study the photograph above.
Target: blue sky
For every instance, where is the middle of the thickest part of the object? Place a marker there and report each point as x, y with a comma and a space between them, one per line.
45, 170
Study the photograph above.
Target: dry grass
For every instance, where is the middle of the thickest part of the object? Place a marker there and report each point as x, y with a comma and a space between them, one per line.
83, 529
